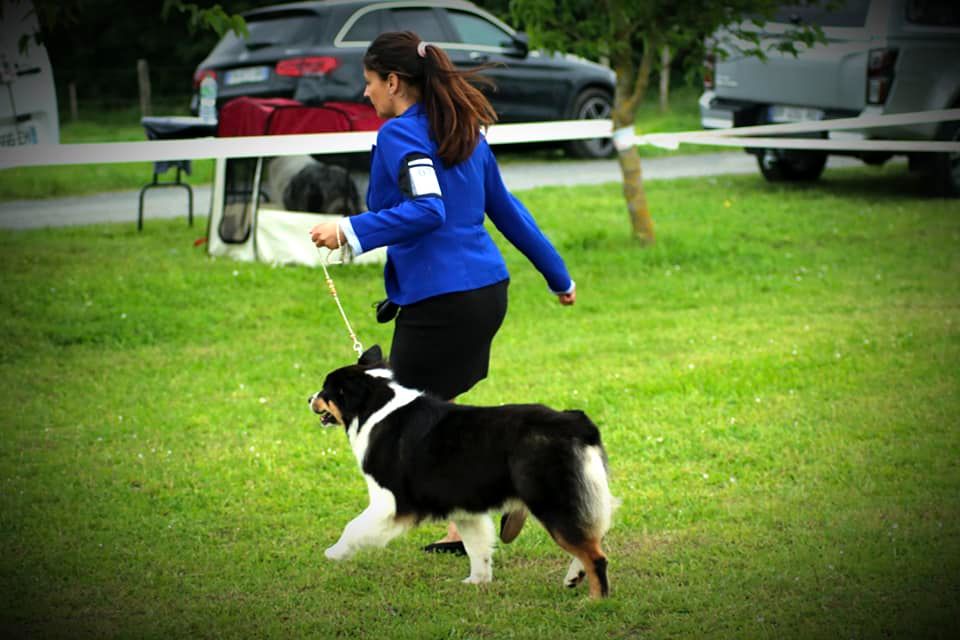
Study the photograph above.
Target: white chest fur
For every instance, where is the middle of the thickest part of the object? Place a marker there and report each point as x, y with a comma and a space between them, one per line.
359, 435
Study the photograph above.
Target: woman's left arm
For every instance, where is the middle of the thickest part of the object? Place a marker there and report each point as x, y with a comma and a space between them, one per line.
518, 226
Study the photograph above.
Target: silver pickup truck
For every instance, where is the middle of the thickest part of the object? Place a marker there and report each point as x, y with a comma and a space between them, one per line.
880, 57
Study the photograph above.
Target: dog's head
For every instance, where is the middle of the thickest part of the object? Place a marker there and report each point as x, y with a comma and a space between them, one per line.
353, 391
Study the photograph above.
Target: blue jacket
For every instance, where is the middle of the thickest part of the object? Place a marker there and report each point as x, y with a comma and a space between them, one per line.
436, 243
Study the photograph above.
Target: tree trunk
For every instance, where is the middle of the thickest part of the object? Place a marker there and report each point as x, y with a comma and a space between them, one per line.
631, 85
143, 77
636, 196
665, 59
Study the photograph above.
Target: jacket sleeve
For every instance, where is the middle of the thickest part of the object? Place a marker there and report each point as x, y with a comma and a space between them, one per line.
413, 216
518, 226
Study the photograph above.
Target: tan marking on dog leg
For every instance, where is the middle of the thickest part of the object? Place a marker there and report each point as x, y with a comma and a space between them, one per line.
594, 563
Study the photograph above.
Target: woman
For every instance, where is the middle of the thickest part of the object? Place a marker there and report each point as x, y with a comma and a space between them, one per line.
432, 178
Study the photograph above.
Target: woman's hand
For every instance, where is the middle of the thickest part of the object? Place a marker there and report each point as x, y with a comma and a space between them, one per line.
327, 234
567, 299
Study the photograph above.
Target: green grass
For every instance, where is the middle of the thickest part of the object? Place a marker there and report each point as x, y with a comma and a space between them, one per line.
776, 382
123, 125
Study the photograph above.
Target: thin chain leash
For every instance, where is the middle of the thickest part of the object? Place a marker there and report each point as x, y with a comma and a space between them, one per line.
333, 292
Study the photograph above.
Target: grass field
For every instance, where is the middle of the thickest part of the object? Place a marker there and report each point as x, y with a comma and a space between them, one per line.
122, 126
776, 382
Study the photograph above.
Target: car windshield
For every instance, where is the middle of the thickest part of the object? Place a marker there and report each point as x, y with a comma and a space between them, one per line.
271, 29
834, 13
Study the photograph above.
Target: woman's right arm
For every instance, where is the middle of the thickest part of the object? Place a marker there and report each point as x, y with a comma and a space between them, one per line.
408, 171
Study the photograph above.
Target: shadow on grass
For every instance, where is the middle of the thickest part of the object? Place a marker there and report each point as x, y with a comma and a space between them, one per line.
892, 181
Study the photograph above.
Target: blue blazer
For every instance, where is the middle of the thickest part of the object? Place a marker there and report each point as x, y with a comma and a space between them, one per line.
437, 243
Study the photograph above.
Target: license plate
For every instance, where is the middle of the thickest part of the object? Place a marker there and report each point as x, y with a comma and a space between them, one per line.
246, 75
784, 113
21, 136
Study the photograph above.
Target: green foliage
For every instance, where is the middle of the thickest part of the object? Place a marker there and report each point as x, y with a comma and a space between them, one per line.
96, 43
214, 18
630, 33
776, 383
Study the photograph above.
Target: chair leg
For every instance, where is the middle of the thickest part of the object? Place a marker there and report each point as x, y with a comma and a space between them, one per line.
156, 183
189, 205
143, 192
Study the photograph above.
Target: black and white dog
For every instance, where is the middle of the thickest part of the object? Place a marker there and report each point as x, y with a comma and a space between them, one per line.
425, 459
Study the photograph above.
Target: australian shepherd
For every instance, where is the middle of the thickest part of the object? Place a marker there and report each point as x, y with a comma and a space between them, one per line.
426, 459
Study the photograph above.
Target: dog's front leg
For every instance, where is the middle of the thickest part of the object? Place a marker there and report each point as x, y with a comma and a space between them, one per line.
366, 529
375, 527
478, 539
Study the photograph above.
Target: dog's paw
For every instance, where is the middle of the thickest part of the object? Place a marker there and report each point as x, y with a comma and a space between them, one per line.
337, 552
478, 579
572, 581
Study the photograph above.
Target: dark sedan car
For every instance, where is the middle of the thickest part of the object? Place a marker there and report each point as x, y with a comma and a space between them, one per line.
313, 51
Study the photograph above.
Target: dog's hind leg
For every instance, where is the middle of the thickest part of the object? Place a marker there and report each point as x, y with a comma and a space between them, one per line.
478, 539
593, 561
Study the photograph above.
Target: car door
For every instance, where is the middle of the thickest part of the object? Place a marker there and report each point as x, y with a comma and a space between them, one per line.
529, 87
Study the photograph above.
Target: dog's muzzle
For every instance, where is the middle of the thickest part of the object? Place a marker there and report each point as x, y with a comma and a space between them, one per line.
318, 406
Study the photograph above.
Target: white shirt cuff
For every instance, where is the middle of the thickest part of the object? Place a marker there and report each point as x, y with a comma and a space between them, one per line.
570, 289
347, 227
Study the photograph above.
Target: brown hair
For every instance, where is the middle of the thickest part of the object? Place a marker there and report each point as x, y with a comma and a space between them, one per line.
456, 109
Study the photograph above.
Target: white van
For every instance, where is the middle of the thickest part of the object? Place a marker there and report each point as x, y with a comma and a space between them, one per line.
28, 98
880, 57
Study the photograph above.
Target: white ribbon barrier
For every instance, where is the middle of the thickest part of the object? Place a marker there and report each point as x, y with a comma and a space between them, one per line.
737, 136
360, 141
270, 146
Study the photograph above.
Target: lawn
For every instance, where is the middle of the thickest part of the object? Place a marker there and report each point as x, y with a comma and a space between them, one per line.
776, 382
123, 125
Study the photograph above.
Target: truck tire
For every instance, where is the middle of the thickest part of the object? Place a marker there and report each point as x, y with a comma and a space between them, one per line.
945, 167
782, 165
591, 104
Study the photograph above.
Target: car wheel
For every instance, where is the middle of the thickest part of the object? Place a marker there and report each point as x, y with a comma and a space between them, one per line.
946, 166
779, 165
592, 104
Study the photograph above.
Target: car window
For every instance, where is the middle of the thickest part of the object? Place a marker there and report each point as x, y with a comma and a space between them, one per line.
848, 13
934, 13
423, 22
472, 29
369, 26
272, 29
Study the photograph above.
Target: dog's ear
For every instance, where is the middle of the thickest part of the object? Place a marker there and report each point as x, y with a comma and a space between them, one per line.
373, 355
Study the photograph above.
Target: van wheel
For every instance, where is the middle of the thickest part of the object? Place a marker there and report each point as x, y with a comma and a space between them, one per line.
591, 104
781, 165
945, 169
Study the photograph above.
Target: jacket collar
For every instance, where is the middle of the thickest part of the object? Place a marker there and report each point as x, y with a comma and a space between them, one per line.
416, 109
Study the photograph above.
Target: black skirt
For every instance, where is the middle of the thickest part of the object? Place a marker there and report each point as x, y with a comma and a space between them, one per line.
441, 345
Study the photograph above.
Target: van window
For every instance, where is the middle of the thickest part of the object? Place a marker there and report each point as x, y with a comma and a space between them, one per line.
849, 13
472, 29
934, 13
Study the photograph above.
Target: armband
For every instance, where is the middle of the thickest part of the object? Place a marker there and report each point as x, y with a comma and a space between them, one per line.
418, 177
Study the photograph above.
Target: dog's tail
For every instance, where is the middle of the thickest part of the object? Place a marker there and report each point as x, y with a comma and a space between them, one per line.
597, 504
593, 508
